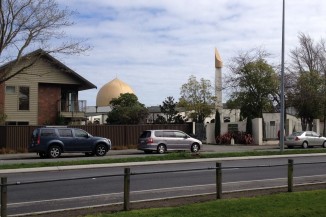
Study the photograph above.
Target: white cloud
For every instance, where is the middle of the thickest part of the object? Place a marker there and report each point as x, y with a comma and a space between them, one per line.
155, 46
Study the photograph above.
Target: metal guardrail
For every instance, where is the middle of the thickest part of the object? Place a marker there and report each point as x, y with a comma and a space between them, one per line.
127, 174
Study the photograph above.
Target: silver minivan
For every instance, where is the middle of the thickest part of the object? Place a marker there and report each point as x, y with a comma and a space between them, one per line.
167, 140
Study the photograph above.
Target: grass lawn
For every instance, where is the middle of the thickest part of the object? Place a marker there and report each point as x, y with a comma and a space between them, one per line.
169, 156
297, 204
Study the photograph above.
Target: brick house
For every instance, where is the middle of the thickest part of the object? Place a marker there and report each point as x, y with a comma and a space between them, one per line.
45, 93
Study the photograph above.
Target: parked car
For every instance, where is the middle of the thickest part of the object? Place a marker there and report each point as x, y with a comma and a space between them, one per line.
305, 139
162, 141
52, 141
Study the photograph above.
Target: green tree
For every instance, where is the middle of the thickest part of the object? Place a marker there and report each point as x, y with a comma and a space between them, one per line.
306, 89
160, 120
197, 98
127, 110
255, 83
29, 24
179, 119
307, 97
169, 109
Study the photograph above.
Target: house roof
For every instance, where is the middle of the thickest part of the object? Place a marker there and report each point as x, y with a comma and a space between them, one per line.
84, 83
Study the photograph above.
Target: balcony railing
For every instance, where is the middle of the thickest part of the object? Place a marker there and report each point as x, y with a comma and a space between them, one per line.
70, 108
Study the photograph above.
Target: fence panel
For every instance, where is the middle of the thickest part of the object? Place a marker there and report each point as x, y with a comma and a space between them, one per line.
17, 138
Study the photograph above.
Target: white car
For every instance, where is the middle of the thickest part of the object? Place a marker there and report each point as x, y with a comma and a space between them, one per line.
305, 139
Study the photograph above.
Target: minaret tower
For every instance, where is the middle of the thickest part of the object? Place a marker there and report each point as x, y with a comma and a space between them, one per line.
218, 82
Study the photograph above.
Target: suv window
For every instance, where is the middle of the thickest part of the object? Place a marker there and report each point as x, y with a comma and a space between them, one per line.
80, 133
48, 132
35, 133
65, 132
145, 134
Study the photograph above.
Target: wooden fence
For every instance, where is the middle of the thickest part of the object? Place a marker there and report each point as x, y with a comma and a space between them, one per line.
17, 138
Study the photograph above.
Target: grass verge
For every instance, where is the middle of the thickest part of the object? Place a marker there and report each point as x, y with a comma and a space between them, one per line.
297, 204
170, 156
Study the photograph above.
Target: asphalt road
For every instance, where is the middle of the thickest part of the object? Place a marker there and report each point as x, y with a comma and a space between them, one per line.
238, 174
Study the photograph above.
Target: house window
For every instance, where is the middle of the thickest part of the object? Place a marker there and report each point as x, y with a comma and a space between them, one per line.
17, 123
10, 89
23, 98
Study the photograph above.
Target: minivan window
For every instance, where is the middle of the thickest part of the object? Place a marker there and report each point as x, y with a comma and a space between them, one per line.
169, 134
179, 134
159, 133
145, 134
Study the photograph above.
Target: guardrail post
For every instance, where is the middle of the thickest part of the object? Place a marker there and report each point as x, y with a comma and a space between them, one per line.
290, 175
218, 180
126, 199
4, 196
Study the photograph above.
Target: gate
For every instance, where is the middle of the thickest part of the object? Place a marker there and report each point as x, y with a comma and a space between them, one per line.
200, 131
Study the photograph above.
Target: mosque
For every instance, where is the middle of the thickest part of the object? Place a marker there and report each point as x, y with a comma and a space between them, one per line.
98, 114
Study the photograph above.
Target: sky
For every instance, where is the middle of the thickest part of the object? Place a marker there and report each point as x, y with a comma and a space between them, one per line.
156, 45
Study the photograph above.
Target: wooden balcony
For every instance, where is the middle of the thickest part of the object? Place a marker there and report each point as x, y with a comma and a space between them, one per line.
72, 109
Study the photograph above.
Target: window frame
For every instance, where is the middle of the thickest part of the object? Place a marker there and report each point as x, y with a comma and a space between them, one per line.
11, 86
24, 107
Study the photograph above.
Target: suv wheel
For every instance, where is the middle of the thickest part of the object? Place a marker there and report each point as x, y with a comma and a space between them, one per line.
100, 150
89, 154
161, 149
42, 155
54, 151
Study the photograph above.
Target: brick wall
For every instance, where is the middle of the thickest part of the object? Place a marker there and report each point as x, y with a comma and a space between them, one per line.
48, 103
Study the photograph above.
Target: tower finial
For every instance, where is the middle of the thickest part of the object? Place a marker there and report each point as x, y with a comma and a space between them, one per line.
218, 60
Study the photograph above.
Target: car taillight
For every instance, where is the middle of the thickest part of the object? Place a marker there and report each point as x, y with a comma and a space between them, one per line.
296, 139
150, 140
38, 140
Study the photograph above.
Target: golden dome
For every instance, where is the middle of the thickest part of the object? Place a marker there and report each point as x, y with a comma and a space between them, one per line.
111, 90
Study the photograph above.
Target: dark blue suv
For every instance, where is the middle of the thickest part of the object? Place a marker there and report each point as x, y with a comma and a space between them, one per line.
52, 141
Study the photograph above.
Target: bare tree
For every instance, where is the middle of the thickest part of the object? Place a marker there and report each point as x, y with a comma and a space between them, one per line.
308, 63
27, 25
305, 58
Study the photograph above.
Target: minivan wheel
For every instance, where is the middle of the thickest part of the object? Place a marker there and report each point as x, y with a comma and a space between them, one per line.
195, 148
161, 149
54, 151
100, 150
